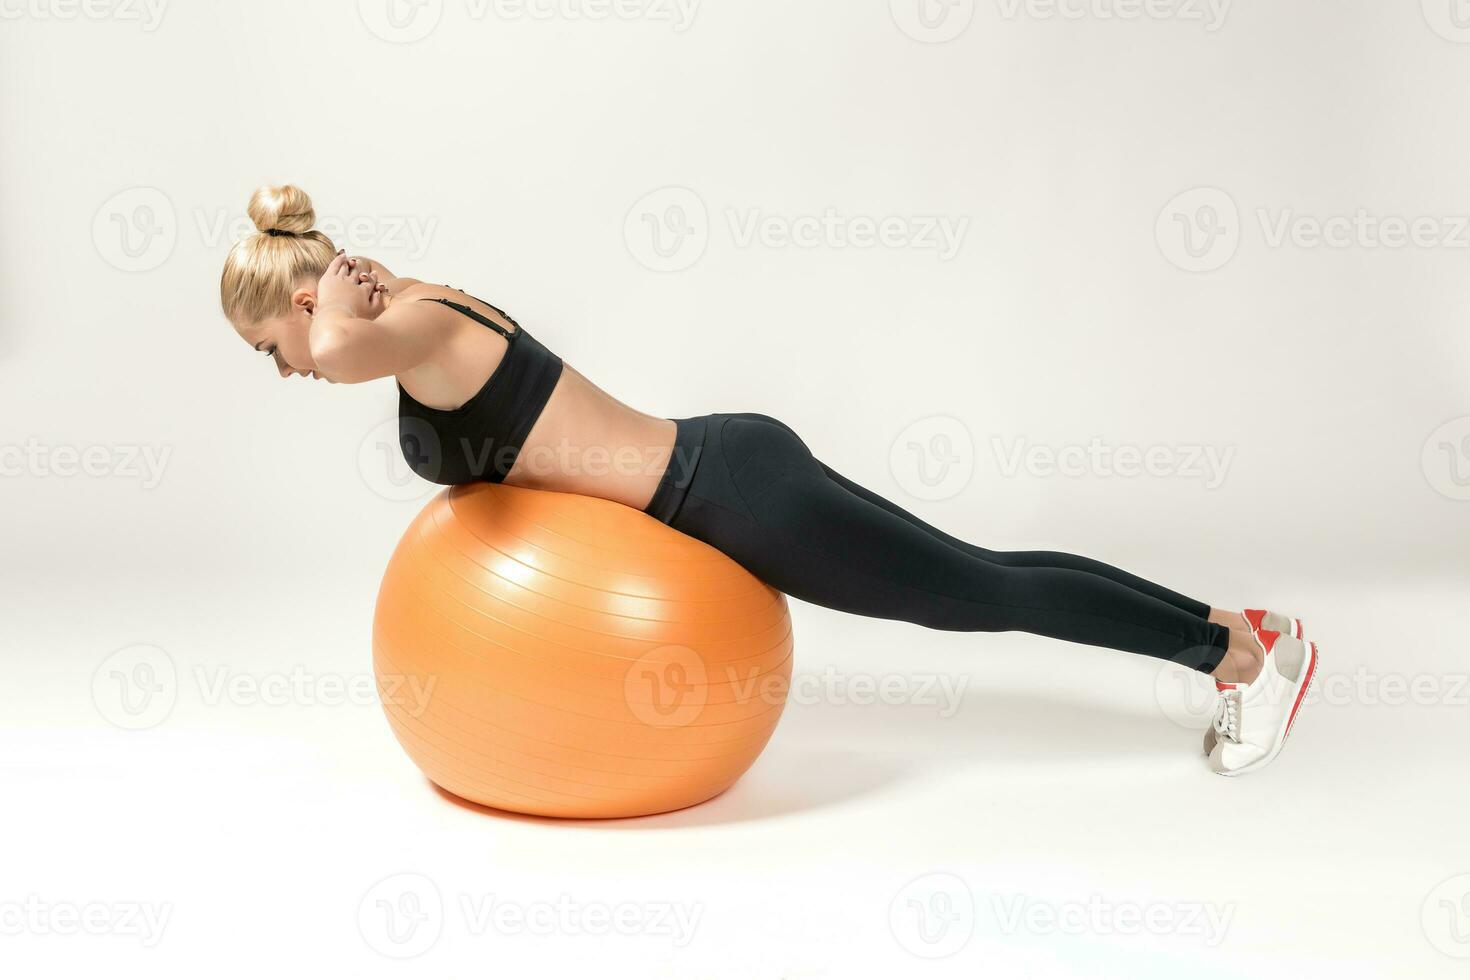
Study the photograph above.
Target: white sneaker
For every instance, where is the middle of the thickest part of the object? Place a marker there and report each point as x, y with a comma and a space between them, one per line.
1253, 720
1257, 620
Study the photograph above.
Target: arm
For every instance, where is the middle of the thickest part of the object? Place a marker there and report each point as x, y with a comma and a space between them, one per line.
350, 350
356, 337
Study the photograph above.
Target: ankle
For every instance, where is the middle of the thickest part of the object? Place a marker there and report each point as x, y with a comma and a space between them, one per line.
1242, 662
1234, 620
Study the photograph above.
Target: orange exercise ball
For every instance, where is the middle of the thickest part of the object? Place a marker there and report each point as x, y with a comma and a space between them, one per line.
568, 656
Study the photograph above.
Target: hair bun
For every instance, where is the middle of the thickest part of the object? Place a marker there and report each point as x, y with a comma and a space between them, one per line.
282, 210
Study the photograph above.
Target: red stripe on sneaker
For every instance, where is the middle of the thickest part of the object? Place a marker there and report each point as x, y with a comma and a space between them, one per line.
1306, 682
1254, 618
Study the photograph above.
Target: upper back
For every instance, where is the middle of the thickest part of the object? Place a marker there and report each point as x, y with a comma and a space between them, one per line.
466, 411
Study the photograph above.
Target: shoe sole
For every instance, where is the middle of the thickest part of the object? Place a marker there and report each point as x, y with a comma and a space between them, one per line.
1301, 697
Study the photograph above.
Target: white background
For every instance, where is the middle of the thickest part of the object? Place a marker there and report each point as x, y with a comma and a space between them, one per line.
1136, 190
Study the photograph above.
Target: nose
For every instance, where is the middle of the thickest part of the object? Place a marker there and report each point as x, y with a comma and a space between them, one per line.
285, 370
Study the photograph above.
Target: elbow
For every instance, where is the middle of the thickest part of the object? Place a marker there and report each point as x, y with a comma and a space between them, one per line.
331, 353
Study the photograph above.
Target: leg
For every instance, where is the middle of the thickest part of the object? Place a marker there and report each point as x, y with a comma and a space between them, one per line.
804, 533
1027, 559
1242, 662
1018, 559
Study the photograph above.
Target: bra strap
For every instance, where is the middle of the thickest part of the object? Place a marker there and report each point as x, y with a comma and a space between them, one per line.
478, 317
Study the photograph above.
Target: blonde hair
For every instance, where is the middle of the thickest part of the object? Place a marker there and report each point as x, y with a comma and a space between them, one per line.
262, 270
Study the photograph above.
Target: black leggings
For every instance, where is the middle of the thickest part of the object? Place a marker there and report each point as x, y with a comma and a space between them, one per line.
750, 487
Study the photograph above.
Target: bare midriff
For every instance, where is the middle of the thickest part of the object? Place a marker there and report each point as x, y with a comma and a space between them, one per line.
588, 442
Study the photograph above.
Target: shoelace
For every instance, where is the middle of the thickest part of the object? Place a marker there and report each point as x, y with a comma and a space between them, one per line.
1227, 716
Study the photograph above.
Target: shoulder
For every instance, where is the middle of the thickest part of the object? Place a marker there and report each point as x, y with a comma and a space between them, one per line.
414, 290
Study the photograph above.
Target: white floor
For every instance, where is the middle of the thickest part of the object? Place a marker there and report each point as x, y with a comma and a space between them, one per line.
1047, 813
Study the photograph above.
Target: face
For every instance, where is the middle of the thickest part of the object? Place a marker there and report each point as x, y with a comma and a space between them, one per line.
284, 338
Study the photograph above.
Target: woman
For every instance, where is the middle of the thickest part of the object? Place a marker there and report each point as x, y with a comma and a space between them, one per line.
481, 399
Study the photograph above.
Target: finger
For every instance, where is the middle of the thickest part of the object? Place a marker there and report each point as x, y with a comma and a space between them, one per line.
334, 267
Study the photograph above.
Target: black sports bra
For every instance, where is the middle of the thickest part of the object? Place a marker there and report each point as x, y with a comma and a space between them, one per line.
481, 439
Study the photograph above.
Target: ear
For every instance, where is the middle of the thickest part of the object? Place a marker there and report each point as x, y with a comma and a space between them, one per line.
304, 299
